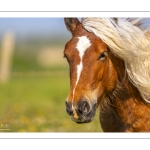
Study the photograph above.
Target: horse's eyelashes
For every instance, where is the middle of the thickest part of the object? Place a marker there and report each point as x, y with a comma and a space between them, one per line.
102, 56
66, 58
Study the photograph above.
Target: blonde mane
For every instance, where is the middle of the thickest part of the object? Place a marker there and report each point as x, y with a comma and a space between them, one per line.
127, 39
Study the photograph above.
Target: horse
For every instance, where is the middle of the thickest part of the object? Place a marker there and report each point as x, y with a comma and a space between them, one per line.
109, 63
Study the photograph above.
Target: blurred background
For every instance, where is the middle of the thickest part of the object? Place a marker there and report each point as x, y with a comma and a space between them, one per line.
34, 77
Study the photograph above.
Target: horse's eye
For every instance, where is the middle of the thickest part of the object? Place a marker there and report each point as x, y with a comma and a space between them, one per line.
66, 58
102, 56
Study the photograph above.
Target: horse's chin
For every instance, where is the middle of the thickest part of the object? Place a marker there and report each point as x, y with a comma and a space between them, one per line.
81, 121
86, 121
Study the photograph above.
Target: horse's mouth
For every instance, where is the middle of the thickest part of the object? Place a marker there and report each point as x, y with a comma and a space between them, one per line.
81, 118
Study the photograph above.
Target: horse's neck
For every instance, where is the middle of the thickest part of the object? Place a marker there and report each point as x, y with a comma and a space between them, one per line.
124, 89
126, 101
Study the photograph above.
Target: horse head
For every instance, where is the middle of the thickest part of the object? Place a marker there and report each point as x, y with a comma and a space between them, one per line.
92, 73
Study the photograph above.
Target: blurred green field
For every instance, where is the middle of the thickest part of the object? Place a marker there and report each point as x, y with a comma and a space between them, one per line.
33, 100
37, 104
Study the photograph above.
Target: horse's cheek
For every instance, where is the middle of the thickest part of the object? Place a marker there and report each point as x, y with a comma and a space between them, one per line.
110, 79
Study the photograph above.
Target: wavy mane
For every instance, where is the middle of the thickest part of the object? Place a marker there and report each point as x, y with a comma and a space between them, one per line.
130, 41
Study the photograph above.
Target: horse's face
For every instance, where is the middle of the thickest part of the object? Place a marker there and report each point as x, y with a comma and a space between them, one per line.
91, 72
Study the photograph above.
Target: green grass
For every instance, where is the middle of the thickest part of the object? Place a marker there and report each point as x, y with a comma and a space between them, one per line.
37, 104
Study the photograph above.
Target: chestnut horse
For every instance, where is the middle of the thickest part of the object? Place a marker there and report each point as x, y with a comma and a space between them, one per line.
109, 60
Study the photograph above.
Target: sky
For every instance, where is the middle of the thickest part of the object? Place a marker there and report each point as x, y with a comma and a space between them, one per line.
24, 27
42, 27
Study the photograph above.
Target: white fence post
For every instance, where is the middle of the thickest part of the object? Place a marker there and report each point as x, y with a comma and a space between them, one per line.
7, 48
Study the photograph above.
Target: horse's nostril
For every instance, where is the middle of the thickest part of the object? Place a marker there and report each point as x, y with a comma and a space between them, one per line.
69, 108
69, 111
84, 107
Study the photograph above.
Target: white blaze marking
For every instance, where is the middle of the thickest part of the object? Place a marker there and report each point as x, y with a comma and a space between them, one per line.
81, 46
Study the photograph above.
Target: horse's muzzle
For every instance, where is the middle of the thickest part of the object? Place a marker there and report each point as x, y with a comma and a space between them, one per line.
83, 112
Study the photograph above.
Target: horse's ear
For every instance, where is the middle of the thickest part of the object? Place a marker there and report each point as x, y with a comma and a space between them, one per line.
71, 24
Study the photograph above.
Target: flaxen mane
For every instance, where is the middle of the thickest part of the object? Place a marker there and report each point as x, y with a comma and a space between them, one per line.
129, 40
